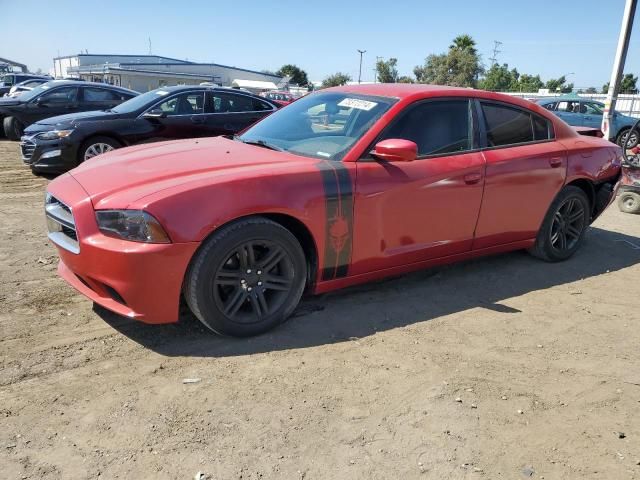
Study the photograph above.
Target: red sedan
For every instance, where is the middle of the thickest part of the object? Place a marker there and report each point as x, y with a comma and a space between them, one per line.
344, 186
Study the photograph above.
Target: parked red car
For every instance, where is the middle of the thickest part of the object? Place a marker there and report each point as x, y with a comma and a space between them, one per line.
344, 186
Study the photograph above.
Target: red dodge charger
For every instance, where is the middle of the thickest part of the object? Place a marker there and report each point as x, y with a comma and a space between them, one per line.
344, 186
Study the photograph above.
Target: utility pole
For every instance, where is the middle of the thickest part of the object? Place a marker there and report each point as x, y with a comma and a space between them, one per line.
375, 70
149, 45
495, 52
618, 67
361, 52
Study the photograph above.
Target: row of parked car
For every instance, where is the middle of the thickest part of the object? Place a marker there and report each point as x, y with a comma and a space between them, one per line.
62, 123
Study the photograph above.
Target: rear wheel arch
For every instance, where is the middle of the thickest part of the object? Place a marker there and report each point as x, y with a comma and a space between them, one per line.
588, 188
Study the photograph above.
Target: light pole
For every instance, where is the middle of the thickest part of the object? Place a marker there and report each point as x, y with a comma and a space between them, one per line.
361, 52
618, 67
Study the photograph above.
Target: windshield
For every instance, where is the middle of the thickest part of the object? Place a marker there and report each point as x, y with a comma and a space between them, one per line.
141, 101
321, 125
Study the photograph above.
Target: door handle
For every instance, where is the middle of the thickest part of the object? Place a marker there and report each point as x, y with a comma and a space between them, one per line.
197, 119
555, 162
472, 178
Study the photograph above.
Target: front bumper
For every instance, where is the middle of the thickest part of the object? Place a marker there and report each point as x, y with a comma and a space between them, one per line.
137, 280
56, 156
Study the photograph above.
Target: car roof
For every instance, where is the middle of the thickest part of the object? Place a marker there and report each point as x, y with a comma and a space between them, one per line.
76, 83
399, 90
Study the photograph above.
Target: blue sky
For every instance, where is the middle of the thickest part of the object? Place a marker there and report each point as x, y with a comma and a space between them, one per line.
545, 37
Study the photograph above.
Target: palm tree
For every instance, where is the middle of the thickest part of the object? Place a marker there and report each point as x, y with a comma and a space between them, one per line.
464, 42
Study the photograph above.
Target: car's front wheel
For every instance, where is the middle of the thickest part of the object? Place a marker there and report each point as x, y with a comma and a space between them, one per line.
246, 278
564, 225
96, 146
13, 129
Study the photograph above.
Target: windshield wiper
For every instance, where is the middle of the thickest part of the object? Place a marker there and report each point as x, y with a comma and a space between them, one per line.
261, 143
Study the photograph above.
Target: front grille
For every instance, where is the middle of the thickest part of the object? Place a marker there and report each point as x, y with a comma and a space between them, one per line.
61, 225
27, 146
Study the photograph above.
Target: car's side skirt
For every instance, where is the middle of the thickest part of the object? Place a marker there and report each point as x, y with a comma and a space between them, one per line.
327, 286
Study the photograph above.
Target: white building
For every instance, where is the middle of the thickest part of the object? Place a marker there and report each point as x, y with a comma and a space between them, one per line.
147, 72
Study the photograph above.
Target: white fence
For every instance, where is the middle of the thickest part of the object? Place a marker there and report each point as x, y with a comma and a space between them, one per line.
626, 104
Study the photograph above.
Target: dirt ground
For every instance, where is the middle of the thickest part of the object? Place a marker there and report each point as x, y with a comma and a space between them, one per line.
504, 367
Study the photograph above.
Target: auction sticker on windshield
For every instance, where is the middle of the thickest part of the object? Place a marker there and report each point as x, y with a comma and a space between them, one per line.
357, 103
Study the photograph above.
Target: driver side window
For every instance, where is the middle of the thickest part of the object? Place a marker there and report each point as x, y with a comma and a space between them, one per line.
189, 103
437, 127
60, 95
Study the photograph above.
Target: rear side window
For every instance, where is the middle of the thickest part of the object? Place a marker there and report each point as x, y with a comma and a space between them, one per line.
99, 95
438, 127
510, 126
259, 105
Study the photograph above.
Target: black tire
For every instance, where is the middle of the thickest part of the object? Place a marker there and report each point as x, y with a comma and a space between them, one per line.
563, 227
94, 142
13, 129
629, 202
234, 277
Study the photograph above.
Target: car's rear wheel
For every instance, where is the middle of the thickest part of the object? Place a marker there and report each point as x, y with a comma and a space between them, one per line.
629, 137
629, 202
564, 225
13, 129
246, 278
95, 146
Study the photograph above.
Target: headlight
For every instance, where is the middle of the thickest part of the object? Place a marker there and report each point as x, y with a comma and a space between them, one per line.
133, 225
54, 134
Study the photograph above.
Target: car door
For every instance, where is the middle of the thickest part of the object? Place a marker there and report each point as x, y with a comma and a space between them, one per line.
179, 116
591, 114
229, 113
408, 212
525, 170
56, 101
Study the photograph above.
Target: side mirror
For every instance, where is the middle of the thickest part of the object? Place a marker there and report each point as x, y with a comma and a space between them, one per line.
396, 150
155, 113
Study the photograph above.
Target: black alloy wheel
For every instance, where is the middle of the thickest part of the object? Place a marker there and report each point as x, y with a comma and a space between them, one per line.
246, 278
253, 281
568, 225
564, 225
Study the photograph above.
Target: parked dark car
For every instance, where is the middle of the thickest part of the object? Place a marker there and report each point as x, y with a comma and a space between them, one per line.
8, 80
56, 98
61, 143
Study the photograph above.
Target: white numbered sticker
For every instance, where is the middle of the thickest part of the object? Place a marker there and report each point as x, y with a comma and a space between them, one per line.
162, 92
357, 103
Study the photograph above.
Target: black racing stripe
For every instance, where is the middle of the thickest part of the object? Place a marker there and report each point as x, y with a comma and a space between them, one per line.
339, 219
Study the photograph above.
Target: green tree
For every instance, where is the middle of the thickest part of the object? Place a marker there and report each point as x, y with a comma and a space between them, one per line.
336, 80
459, 67
499, 78
405, 79
529, 83
464, 42
627, 85
386, 72
591, 90
559, 84
297, 75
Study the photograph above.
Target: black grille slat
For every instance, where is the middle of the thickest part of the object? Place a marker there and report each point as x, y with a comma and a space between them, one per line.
27, 147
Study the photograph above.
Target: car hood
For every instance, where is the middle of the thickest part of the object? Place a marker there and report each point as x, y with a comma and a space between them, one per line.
121, 177
73, 118
9, 101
